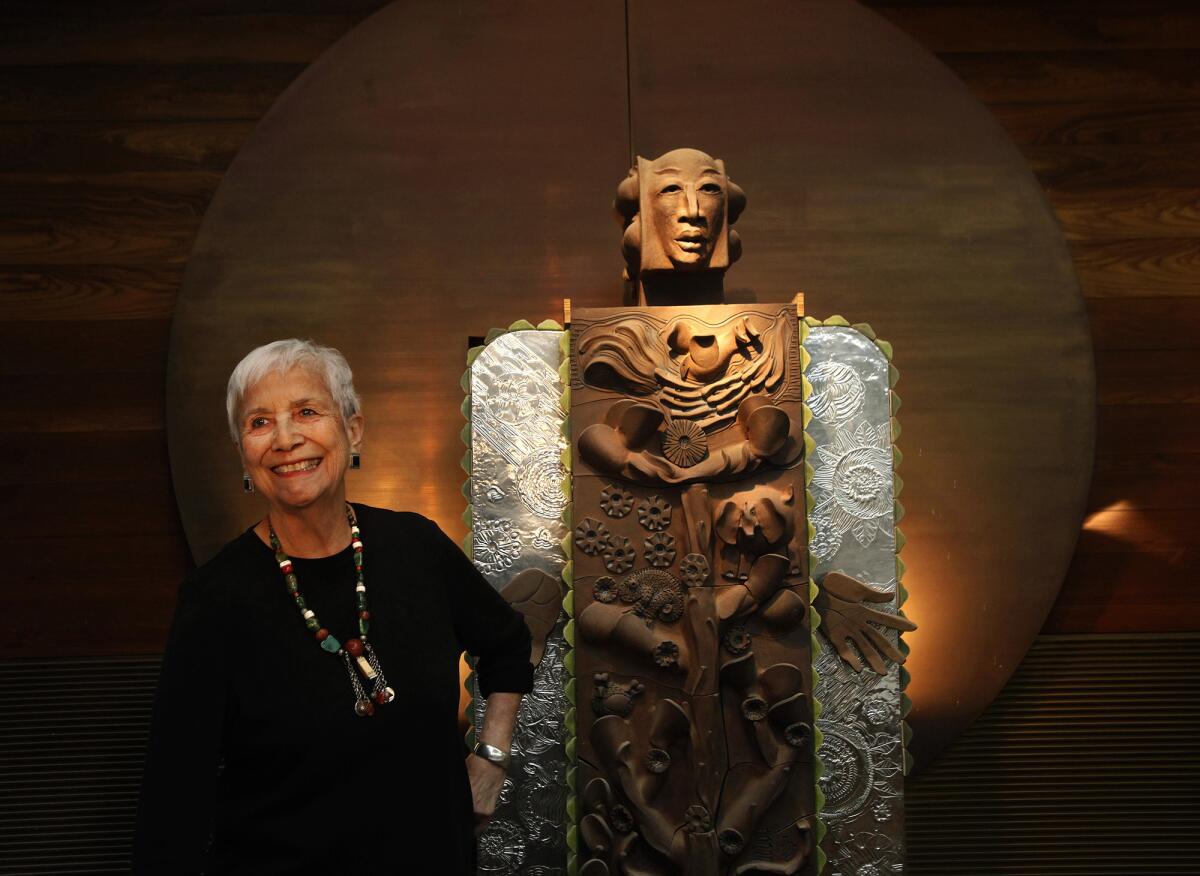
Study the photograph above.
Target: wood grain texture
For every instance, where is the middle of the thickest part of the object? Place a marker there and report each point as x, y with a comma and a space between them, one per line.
89, 292
141, 93
55, 348
1148, 428
81, 402
1158, 75
1131, 590
1150, 267
1101, 122
1148, 480
1136, 212
119, 147
1144, 323
111, 218
48, 459
1017, 28
1161, 377
150, 92
119, 589
283, 37
1104, 167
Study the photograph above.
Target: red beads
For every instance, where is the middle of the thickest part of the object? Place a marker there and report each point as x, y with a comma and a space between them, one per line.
381, 697
364, 615
322, 634
353, 647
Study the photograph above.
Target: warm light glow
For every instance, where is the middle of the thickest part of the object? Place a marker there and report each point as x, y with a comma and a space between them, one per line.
464, 698
1109, 521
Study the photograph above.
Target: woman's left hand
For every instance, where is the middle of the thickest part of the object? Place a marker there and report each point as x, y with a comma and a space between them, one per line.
486, 779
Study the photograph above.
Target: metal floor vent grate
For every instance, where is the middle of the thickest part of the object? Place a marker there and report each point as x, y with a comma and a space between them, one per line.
72, 739
1086, 763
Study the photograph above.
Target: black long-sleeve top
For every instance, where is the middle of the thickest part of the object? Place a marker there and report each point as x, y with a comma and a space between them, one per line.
257, 762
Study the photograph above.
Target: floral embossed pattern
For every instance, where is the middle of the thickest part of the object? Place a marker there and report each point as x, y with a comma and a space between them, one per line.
684, 443
855, 478
591, 536
853, 495
495, 545
695, 569
616, 501
618, 555
660, 550
654, 513
605, 589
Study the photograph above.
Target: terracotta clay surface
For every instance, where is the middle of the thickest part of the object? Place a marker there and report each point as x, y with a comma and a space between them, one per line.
693, 649
538, 597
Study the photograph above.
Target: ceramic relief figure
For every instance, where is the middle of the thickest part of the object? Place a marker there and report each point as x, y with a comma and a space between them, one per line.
693, 650
693, 661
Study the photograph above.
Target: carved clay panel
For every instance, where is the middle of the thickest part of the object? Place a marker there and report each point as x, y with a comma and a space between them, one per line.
853, 498
516, 529
693, 647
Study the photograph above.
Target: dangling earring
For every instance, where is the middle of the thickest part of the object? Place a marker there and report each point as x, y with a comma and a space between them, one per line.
247, 484
355, 459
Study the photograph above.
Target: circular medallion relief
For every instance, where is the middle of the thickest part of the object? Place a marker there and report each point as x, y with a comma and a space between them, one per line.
396, 200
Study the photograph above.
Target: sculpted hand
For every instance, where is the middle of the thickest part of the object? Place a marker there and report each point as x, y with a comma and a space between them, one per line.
486, 779
845, 619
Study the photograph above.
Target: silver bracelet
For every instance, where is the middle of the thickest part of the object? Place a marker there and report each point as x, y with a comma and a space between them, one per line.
492, 754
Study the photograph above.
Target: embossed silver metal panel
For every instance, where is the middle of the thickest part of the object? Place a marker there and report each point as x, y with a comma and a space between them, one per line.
855, 533
517, 503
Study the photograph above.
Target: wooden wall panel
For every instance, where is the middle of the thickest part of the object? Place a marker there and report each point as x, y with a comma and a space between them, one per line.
1102, 99
116, 123
115, 128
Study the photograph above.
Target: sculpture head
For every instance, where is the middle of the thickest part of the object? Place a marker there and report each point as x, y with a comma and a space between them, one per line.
677, 210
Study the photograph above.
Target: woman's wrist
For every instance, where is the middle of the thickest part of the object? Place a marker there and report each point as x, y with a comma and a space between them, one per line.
492, 754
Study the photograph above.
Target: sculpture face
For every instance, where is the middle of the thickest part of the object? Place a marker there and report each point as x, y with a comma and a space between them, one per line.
683, 205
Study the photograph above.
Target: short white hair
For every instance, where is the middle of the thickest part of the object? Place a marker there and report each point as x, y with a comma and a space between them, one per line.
282, 356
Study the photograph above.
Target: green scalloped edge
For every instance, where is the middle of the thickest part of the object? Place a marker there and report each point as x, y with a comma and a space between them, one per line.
814, 615
568, 576
468, 542
897, 485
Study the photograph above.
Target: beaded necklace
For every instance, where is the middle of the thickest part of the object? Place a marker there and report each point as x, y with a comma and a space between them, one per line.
355, 652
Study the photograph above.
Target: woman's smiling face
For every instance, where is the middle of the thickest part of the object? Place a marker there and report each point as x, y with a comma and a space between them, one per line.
295, 445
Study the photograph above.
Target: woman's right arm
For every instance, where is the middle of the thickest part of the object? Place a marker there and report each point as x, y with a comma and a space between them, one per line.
179, 786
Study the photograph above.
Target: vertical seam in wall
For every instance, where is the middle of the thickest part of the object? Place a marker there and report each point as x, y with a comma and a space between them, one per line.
628, 89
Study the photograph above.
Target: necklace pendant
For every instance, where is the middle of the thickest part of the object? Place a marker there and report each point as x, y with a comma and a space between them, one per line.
364, 708
365, 668
384, 696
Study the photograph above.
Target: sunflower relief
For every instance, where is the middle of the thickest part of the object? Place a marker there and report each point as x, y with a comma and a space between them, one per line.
855, 472
859, 678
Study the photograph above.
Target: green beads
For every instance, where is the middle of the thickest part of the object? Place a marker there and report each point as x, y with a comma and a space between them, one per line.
327, 641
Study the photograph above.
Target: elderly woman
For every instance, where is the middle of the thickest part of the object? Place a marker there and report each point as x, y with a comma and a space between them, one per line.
306, 717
